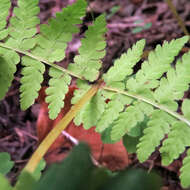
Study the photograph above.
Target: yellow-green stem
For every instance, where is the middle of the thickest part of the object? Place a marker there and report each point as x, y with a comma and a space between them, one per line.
56, 131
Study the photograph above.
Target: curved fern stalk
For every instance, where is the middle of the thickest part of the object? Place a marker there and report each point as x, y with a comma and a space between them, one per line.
87, 63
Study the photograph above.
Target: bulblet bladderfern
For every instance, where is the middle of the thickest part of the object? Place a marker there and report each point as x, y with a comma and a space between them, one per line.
140, 106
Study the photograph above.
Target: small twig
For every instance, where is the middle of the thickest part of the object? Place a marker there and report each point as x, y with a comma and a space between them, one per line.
179, 19
71, 138
76, 142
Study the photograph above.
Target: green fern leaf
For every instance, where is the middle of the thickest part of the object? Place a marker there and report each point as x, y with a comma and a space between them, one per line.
177, 82
112, 110
5, 163
23, 25
4, 183
153, 134
87, 63
83, 87
176, 142
124, 65
159, 62
58, 87
4, 12
8, 61
53, 38
126, 121
93, 111
186, 108
30, 82
184, 176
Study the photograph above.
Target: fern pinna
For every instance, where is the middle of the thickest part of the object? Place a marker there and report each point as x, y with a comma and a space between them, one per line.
141, 107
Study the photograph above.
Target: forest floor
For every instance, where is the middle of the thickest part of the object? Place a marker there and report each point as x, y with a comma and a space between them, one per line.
127, 22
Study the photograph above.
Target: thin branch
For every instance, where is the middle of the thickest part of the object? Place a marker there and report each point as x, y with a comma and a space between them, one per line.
178, 18
41, 60
56, 131
71, 138
161, 107
76, 142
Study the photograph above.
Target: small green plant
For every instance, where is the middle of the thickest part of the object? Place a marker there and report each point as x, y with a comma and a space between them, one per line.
142, 107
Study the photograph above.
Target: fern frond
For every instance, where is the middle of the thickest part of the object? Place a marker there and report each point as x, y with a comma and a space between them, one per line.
184, 176
8, 61
124, 65
51, 45
92, 110
112, 111
87, 63
4, 12
153, 134
58, 87
23, 25
178, 138
31, 81
159, 62
175, 144
185, 108
126, 121
175, 84
53, 38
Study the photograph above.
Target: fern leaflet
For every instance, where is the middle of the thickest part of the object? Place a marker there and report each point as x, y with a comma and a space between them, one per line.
112, 110
56, 91
23, 25
53, 38
184, 176
158, 63
4, 10
124, 65
175, 84
153, 134
8, 61
30, 82
175, 144
87, 63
